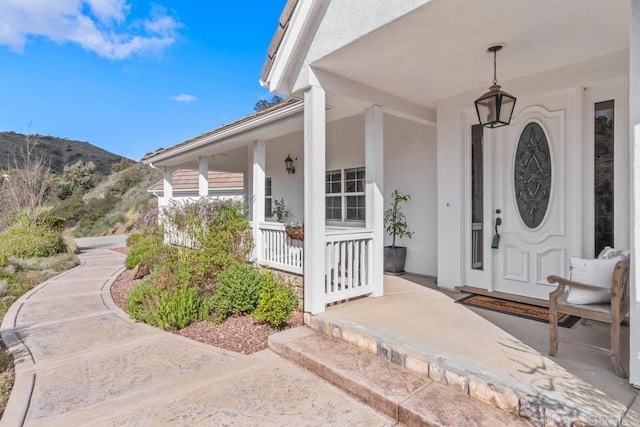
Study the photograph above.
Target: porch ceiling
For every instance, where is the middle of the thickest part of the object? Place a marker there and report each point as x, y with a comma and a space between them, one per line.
439, 49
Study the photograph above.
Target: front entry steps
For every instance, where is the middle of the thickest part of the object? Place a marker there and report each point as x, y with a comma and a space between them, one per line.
410, 398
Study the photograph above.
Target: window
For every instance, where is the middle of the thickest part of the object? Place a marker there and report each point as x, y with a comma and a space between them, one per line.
477, 198
603, 174
268, 207
345, 198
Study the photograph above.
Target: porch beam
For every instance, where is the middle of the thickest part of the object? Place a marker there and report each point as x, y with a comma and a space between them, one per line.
314, 199
634, 142
392, 104
203, 177
259, 171
374, 200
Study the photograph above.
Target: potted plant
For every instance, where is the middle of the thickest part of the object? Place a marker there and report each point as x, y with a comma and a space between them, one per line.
294, 231
395, 224
280, 211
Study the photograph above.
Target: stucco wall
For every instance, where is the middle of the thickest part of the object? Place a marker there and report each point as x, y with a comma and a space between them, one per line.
410, 167
563, 82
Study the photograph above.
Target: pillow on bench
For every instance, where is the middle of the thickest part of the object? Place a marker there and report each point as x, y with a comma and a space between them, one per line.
596, 272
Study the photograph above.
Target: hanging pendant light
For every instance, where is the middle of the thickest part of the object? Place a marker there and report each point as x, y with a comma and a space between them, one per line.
495, 107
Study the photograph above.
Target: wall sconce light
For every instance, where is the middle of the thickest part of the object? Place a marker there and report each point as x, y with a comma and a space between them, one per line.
288, 164
495, 107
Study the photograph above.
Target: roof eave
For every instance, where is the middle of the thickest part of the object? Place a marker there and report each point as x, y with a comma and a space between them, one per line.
213, 137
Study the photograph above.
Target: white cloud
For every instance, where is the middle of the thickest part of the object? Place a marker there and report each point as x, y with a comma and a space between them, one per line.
100, 26
184, 97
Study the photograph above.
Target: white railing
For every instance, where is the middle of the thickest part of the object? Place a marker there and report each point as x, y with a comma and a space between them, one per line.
348, 268
477, 253
279, 251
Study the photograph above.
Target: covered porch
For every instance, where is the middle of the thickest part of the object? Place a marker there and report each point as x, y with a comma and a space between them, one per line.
500, 360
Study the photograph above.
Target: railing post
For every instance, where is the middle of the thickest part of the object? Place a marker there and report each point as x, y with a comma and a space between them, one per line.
374, 166
314, 199
258, 173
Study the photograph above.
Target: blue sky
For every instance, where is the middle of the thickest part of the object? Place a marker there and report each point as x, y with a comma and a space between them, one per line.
131, 76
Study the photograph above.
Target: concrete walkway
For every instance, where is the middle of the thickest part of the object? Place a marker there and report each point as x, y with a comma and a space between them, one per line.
81, 361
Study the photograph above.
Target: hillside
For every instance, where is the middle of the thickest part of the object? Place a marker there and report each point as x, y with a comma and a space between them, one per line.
59, 151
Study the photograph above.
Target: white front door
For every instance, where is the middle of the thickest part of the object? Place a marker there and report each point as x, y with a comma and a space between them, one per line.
538, 178
530, 185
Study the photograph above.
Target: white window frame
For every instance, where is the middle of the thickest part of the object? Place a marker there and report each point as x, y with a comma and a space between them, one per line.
344, 195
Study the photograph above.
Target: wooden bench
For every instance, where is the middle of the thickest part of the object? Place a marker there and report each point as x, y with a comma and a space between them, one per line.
613, 313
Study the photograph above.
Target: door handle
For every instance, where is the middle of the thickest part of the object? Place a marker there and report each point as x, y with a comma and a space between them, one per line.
495, 243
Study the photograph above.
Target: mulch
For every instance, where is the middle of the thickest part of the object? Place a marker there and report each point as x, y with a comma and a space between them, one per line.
238, 333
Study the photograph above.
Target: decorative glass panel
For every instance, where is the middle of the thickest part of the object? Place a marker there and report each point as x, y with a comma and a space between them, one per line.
532, 175
477, 198
603, 174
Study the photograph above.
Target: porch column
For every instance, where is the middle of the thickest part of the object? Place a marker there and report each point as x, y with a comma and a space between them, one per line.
314, 199
168, 184
248, 182
374, 170
203, 177
259, 160
634, 122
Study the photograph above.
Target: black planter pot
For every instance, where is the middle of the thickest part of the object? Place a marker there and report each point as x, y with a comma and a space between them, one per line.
394, 258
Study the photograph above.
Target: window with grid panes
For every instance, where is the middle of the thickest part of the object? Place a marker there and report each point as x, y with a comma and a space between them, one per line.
268, 207
345, 197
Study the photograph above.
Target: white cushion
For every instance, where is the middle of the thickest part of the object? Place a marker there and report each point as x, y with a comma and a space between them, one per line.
596, 272
609, 253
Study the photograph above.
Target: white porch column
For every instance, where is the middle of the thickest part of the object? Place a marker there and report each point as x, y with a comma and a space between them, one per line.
248, 182
374, 170
634, 122
168, 184
314, 199
259, 161
203, 177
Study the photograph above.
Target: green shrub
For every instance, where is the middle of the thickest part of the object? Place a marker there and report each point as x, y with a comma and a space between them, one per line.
145, 249
54, 222
237, 290
177, 308
277, 301
140, 301
4, 259
28, 241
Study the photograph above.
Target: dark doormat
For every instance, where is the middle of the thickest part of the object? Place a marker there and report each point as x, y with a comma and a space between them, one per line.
533, 312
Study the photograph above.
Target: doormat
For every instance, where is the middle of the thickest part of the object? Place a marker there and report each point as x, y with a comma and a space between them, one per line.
527, 311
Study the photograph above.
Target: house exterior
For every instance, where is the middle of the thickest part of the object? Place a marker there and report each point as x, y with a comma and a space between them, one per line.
186, 186
382, 98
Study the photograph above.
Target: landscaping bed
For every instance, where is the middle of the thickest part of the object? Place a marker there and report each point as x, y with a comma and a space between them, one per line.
203, 285
238, 333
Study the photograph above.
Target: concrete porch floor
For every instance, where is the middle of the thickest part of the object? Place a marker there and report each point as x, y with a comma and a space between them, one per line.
419, 326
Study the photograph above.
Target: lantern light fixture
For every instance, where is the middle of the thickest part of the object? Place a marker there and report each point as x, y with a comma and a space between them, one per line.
495, 107
288, 164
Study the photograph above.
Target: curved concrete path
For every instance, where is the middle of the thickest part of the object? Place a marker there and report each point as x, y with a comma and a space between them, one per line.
80, 360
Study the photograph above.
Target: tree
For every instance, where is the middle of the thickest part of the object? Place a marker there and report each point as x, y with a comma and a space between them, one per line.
121, 165
26, 186
263, 104
79, 177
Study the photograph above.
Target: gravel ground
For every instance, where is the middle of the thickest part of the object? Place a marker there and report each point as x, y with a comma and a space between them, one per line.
238, 333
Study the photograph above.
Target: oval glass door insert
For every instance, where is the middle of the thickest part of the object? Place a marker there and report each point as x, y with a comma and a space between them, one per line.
532, 175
